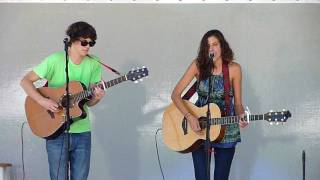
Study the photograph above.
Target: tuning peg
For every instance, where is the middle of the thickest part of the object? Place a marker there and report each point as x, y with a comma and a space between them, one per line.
136, 81
283, 110
143, 75
143, 67
271, 123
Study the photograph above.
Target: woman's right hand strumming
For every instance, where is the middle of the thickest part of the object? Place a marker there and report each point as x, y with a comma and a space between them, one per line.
194, 123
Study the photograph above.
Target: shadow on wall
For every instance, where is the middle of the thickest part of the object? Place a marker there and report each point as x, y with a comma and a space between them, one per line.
255, 144
116, 129
246, 155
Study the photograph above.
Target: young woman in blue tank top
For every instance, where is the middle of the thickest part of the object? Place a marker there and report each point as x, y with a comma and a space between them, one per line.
203, 69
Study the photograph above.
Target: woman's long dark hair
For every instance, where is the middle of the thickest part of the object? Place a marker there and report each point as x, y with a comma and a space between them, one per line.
205, 64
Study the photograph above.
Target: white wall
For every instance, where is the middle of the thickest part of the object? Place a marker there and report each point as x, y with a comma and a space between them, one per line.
277, 45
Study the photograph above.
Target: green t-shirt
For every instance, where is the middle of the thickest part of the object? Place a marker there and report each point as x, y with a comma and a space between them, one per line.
88, 72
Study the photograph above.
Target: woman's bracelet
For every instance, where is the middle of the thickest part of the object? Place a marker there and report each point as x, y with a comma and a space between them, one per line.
186, 115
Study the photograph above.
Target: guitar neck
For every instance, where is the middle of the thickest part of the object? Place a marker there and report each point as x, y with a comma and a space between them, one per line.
103, 85
235, 119
111, 83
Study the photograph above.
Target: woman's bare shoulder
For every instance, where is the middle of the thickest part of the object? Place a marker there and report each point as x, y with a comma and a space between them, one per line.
234, 66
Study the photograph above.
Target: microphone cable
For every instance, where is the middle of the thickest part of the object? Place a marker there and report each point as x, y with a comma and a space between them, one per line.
156, 141
61, 149
22, 150
303, 164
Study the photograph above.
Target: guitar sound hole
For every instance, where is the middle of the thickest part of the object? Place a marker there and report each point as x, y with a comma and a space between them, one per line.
63, 101
202, 122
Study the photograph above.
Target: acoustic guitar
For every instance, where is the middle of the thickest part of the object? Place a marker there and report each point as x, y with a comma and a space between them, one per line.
178, 135
47, 124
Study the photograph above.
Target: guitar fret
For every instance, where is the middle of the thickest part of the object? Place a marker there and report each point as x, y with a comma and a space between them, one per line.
225, 120
84, 94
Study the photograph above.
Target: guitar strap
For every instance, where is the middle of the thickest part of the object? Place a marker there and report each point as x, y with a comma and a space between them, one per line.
109, 68
226, 85
190, 92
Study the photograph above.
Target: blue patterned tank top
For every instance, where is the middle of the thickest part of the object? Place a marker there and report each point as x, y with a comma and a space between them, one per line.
232, 134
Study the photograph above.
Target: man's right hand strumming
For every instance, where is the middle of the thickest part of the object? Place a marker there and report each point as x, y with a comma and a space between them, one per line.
49, 104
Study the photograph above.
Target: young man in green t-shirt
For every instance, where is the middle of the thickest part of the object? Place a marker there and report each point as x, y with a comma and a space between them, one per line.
84, 68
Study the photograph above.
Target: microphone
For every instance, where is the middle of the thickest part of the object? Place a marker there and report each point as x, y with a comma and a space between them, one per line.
211, 55
66, 43
66, 40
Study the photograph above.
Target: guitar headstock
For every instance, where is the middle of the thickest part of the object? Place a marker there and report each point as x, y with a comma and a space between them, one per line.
277, 117
137, 74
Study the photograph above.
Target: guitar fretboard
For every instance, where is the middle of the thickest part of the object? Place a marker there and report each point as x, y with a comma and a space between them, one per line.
103, 85
235, 119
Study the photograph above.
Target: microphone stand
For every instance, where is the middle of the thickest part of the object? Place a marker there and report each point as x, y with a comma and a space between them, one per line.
207, 141
67, 108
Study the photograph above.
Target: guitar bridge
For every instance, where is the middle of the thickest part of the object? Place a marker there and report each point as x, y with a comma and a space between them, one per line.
51, 114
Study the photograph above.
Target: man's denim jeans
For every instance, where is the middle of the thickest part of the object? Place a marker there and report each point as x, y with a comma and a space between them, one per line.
79, 156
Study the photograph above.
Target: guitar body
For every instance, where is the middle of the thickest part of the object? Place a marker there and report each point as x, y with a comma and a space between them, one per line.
175, 136
47, 124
